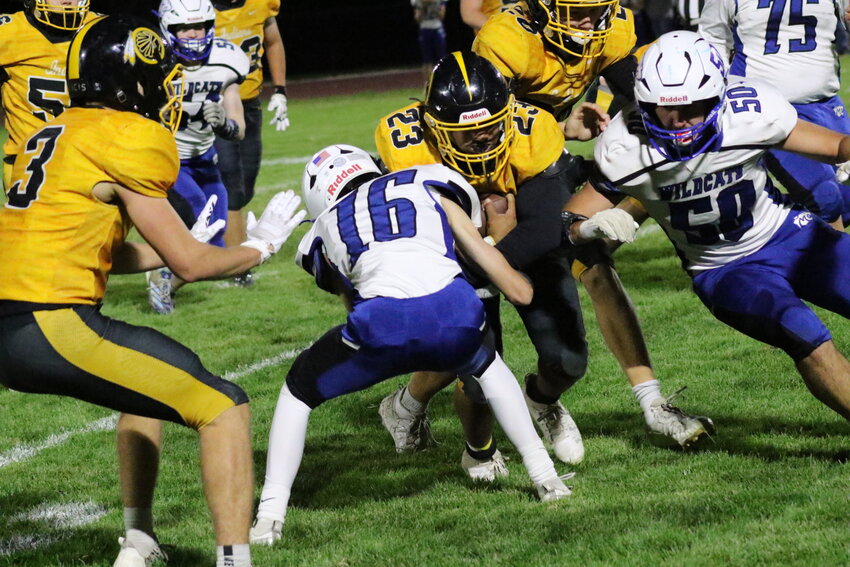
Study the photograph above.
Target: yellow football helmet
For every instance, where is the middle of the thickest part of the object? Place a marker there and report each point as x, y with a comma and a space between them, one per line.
575, 28
468, 110
58, 14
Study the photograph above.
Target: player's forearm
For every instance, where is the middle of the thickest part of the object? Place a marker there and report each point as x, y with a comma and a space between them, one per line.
275, 52
135, 257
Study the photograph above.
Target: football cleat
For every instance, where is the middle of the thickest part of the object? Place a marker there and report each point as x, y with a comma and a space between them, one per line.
554, 488
667, 420
484, 471
410, 432
558, 429
244, 280
159, 291
138, 549
265, 531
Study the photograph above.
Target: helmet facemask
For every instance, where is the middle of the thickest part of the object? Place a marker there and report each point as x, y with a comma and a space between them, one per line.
685, 143
564, 25
477, 146
192, 49
66, 18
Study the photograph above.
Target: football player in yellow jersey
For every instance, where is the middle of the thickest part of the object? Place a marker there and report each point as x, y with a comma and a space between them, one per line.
33, 49
251, 25
552, 52
470, 123
79, 183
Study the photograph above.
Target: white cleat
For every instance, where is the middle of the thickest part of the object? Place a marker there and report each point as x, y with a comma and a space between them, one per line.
159, 291
558, 429
138, 549
265, 531
554, 488
666, 420
484, 471
410, 432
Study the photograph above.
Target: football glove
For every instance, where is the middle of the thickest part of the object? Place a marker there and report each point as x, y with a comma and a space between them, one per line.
274, 226
214, 114
842, 174
202, 230
277, 104
615, 224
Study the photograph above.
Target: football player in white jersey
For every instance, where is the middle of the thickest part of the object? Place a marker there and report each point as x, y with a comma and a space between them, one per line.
691, 152
792, 45
388, 245
213, 70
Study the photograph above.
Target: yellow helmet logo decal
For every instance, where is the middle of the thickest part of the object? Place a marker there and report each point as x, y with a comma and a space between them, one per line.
145, 44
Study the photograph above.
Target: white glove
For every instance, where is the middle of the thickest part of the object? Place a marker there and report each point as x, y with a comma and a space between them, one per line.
842, 174
276, 223
214, 114
277, 104
615, 224
202, 230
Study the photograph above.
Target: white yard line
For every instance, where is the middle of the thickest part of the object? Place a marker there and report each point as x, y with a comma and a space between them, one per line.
26, 451
58, 522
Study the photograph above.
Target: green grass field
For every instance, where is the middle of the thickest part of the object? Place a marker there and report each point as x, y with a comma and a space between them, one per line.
770, 490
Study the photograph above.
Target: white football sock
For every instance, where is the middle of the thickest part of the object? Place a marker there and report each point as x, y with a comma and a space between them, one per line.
286, 449
646, 393
408, 405
238, 555
505, 398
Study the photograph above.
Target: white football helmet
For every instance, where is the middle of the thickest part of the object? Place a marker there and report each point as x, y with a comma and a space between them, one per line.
173, 13
332, 172
681, 68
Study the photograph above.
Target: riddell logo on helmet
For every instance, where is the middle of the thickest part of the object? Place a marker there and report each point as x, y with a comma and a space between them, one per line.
341, 177
681, 99
474, 115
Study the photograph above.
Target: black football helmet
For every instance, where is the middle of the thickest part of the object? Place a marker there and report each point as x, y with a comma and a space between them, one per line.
61, 17
559, 22
468, 109
122, 62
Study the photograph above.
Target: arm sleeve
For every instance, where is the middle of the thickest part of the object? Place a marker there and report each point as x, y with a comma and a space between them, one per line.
539, 201
715, 25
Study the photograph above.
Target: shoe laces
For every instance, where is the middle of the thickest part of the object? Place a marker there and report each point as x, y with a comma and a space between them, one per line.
551, 415
420, 432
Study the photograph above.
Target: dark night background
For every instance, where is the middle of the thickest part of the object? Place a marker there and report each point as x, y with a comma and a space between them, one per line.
333, 36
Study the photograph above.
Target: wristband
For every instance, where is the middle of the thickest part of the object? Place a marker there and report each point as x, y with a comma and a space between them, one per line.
229, 131
280, 89
567, 220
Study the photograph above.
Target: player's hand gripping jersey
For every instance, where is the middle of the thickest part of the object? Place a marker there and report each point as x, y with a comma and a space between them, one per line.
721, 205
538, 75
389, 238
226, 65
32, 70
537, 143
789, 44
57, 237
242, 23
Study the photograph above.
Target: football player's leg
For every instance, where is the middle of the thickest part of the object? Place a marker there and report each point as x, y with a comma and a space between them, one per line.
503, 394
555, 326
230, 166
211, 184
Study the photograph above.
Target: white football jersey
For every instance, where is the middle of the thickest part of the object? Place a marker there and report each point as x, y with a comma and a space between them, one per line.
227, 64
390, 237
720, 205
787, 43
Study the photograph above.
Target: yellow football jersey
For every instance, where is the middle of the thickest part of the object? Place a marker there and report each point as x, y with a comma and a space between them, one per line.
32, 67
539, 76
402, 142
243, 23
57, 238
493, 7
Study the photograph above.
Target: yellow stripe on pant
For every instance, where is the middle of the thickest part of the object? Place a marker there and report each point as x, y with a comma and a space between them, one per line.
197, 403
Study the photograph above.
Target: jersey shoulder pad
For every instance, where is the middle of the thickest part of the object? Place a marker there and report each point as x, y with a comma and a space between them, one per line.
273, 7
510, 43
623, 37
618, 150
226, 53
538, 140
401, 140
755, 112
142, 155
